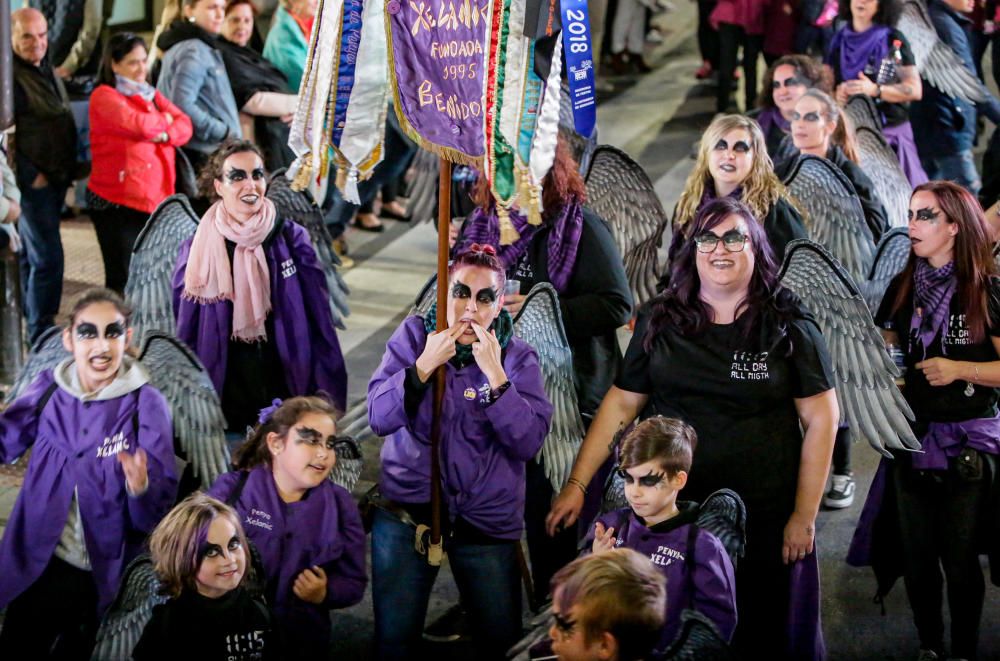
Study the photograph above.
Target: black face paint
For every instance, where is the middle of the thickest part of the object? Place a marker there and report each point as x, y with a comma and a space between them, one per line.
563, 624
114, 329
236, 174
460, 290
927, 214
808, 117
86, 331
312, 437
650, 480
210, 550
739, 146
788, 82
487, 296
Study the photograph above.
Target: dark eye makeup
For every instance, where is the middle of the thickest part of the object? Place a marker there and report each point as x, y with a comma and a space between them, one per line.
460, 290
88, 331
740, 147
313, 437
650, 480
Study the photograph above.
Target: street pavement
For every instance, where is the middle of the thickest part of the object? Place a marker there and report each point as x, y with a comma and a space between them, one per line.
656, 118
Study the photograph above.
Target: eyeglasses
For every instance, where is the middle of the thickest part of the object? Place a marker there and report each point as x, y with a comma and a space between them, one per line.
808, 117
734, 240
563, 625
788, 82
739, 146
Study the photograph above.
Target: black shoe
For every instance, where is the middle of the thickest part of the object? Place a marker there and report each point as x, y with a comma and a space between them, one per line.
451, 627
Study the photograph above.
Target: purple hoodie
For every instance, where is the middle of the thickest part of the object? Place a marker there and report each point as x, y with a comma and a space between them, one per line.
303, 324
484, 447
324, 528
75, 445
712, 576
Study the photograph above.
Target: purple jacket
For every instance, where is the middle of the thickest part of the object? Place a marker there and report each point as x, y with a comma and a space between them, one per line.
324, 528
303, 324
483, 447
75, 444
712, 576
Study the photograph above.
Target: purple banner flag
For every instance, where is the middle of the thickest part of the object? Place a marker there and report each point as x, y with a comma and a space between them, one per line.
437, 52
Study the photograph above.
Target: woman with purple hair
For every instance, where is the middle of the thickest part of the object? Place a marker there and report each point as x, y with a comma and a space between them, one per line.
728, 350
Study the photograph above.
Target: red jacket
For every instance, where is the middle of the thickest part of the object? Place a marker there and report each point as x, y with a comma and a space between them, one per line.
128, 167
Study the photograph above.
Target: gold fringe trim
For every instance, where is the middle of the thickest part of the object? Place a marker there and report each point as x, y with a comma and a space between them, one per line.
508, 234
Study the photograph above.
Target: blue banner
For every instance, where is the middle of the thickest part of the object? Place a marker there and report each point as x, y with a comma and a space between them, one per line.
579, 64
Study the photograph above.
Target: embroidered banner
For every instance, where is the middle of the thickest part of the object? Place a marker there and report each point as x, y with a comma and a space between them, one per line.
579, 64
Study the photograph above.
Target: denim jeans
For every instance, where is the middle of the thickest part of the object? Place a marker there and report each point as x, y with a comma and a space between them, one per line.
488, 581
960, 168
42, 256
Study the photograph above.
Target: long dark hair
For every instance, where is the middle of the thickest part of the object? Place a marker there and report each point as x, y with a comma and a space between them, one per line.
679, 305
807, 70
973, 255
212, 169
119, 45
887, 14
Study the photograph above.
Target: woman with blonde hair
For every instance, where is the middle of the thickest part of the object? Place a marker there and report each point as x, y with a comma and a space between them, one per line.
733, 162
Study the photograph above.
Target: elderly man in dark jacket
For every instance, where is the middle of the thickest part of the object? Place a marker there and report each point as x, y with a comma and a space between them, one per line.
951, 121
45, 158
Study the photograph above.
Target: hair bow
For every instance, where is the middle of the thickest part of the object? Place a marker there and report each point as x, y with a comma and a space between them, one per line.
483, 248
267, 412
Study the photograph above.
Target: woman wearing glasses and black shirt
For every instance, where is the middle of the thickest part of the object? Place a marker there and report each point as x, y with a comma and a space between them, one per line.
729, 351
733, 162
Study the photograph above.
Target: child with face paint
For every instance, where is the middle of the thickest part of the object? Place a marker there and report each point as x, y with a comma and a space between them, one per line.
308, 530
202, 559
494, 419
101, 475
251, 298
654, 460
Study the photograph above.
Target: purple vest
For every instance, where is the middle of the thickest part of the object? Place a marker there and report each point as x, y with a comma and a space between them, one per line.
483, 447
75, 445
324, 528
303, 324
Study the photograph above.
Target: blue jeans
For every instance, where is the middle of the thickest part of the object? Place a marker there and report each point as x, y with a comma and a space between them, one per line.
42, 256
488, 581
960, 168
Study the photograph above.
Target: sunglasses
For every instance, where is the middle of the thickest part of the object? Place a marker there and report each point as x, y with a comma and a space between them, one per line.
788, 82
733, 240
808, 117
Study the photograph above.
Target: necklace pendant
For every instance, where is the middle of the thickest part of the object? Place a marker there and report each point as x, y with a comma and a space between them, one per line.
970, 390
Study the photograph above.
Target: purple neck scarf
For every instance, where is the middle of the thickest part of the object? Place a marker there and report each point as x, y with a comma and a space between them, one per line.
564, 239
858, 49
771, 117
933, 290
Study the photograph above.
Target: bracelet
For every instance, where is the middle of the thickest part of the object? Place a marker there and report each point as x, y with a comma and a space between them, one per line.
976, 367
878, 91
576, 482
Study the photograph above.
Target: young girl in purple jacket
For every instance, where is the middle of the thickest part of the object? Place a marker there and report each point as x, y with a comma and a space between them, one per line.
654, 462
101, 476
308, 530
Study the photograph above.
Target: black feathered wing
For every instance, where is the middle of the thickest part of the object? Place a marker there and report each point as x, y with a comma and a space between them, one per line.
121, 629
149, 289
937, 63
539, 323
47, 352
620, 192
890, 259
199, 425
347, 471
300, 207
832, 212
864, 374
863, 113
724, 515
698, 639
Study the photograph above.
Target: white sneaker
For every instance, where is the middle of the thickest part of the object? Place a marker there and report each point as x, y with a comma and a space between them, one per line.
841, 495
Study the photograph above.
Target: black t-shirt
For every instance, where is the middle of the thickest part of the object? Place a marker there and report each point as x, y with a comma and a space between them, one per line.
738, 395
894, 113
191, 627
944, 403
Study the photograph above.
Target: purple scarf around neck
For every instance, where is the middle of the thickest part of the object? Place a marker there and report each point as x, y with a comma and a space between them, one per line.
564, 239
858, 49
933, 290
770, 118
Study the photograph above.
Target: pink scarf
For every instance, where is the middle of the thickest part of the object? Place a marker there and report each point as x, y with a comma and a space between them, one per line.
247, 284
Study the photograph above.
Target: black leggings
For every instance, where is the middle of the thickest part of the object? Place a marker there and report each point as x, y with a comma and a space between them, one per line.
56, 617
548, 554
708, 38
938, 515
842, 451
117, 229
731, 37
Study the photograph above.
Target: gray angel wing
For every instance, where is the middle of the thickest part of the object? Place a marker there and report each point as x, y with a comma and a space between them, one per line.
300, 207
620, 192
539, 323
833, 213
422, 188
47, 352
864, 374
613, 496
882, 166
199, 425
890, 258
132, 609
347, 470
426, 298
149, 288
724, 515
863, 113
535, 639
354, 423
937, 63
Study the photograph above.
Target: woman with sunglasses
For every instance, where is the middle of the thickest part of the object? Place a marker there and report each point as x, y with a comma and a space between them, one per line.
784, 83
728, 350
943, 310
858, 52
733, 162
